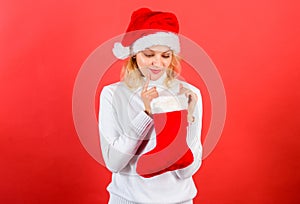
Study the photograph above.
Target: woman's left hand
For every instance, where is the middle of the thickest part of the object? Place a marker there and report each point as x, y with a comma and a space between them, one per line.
192, 101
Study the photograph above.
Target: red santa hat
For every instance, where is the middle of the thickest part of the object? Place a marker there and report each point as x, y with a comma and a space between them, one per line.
148, 28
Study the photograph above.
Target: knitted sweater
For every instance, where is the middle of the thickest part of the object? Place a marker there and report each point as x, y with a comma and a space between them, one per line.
123, 126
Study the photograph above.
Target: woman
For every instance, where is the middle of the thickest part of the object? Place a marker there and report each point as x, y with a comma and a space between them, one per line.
150, 122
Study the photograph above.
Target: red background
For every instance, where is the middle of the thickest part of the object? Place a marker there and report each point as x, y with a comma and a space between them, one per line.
254, 45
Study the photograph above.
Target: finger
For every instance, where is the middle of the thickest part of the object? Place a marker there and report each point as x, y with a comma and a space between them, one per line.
153, 95
145, 87
148, 75
180, 88
187, 92
189, 98
149, 92
183, 90
153, 89
192, 97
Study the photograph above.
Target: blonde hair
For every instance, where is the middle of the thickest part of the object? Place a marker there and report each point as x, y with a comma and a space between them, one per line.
133, 78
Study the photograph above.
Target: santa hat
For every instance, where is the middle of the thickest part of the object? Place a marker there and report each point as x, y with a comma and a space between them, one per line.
148, 28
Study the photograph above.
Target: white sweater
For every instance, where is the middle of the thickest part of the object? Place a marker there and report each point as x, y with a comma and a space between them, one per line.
123, 125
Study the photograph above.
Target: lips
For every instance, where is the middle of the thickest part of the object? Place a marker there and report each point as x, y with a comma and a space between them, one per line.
155, 71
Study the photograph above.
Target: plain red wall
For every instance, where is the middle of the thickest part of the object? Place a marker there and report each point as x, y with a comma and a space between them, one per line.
254, 44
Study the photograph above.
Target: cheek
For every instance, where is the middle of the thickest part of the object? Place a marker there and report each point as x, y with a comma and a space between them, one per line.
142, 62
167, 62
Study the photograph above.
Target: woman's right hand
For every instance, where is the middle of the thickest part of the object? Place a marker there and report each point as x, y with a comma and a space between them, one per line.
148, 95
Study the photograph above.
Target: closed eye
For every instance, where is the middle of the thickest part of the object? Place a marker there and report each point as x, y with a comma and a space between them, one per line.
148, 55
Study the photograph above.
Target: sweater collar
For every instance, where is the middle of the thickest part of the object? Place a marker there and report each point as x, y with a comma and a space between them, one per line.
160, 81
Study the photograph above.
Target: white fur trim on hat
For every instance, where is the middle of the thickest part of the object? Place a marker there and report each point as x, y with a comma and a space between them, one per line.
160, 38
120, 51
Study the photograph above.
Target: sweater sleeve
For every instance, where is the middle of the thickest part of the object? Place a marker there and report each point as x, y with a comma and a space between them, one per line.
194, 141
119, 146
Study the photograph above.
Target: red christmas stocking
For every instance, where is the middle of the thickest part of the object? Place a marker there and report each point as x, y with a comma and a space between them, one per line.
171, 151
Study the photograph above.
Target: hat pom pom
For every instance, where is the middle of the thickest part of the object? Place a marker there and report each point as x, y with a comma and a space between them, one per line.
120, 51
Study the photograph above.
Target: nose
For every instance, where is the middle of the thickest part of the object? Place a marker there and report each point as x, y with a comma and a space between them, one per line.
157, 61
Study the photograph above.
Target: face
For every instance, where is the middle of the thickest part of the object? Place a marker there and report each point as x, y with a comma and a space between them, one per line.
154, 61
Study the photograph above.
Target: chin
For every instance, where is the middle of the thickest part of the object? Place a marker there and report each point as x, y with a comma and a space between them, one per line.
154, 78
